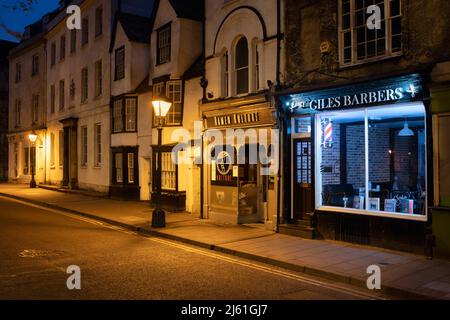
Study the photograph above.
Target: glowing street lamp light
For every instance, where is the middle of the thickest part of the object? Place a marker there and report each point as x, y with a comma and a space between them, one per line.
32, 137
161, 107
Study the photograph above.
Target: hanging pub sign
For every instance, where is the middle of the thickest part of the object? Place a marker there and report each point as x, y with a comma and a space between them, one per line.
387, 91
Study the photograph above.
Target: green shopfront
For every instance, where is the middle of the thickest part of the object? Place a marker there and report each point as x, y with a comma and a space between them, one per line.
440, 108
358, 166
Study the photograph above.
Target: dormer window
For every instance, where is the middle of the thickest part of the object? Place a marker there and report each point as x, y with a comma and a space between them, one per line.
163, 42
241, 66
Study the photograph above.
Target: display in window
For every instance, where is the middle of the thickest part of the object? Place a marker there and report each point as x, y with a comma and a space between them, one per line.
373, 159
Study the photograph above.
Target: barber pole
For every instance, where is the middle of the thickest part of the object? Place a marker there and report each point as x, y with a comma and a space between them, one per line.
327, 129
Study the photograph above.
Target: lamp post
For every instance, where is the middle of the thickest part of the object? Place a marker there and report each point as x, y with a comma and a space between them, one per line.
161, 106
32, 137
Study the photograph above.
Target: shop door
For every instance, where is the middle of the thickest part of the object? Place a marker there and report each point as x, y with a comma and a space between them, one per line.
302, 191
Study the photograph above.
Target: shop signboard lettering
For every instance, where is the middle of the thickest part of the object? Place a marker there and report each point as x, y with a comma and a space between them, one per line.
402, 89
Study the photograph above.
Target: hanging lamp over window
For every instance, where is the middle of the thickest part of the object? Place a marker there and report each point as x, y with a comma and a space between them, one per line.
406, 131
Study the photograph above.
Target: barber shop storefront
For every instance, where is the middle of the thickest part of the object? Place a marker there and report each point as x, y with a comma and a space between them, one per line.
359, 162
239, 188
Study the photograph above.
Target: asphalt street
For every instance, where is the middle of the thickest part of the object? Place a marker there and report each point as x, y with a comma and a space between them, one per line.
37, 245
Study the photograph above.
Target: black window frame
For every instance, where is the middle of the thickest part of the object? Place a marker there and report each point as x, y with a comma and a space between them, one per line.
62, 47
85, 31
98, 21
118, 77
166, 81
35, 65
53, 54
123, 100
155, 152
73, 41
125, 151
166, 27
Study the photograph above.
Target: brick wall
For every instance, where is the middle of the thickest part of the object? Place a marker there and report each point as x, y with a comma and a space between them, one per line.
379, 160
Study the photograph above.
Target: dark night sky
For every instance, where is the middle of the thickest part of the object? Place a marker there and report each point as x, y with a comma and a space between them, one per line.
17, 20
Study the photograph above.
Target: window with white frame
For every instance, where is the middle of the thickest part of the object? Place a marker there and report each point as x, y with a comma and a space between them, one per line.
62, 47
62, 98
84, 85
130, 114
99, 21
35, 65
35, 111
130, 157
225, 74
357, 42
52, 149
118, 167
164, 44
61, 148
84, 146
124, 114
52, 99
98, 78
120, 64
168, 172
175, 94
53, 54
256, 66
241, 66
98, 144
73, 40
85, 31
117, 116
18, 72
18, 112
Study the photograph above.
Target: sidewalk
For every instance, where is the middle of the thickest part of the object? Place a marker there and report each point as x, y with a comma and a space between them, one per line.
403, 275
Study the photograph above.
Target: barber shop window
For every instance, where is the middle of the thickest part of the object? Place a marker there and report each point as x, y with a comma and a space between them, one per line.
373, 160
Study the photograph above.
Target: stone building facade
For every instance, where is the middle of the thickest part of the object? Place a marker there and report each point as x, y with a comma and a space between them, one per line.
5, 47
244, 60
331, 51
27, 100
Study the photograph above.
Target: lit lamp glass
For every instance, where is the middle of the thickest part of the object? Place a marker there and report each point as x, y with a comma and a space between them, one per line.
32, 137
161, 106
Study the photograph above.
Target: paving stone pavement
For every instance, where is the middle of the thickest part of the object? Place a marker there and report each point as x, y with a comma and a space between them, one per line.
405, 275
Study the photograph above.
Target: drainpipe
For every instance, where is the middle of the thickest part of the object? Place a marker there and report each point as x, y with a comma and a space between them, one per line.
280, 117
278, 42
203, 85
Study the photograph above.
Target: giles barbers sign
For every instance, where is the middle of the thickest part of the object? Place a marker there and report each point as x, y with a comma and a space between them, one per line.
386, 91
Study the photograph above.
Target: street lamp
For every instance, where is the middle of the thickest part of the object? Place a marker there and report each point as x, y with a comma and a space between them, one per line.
161, 106
32, 137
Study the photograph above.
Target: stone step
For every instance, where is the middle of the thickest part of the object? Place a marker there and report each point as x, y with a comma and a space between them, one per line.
298, 231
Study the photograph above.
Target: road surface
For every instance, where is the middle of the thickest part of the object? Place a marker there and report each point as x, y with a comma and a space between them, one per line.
37, 245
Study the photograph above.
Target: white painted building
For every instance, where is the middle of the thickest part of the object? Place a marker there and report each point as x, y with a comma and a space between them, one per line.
244, 61
79, 84
27, 100
175, 71
78, 91
130, 108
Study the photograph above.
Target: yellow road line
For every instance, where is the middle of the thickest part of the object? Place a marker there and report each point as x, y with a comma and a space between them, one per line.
222, 257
